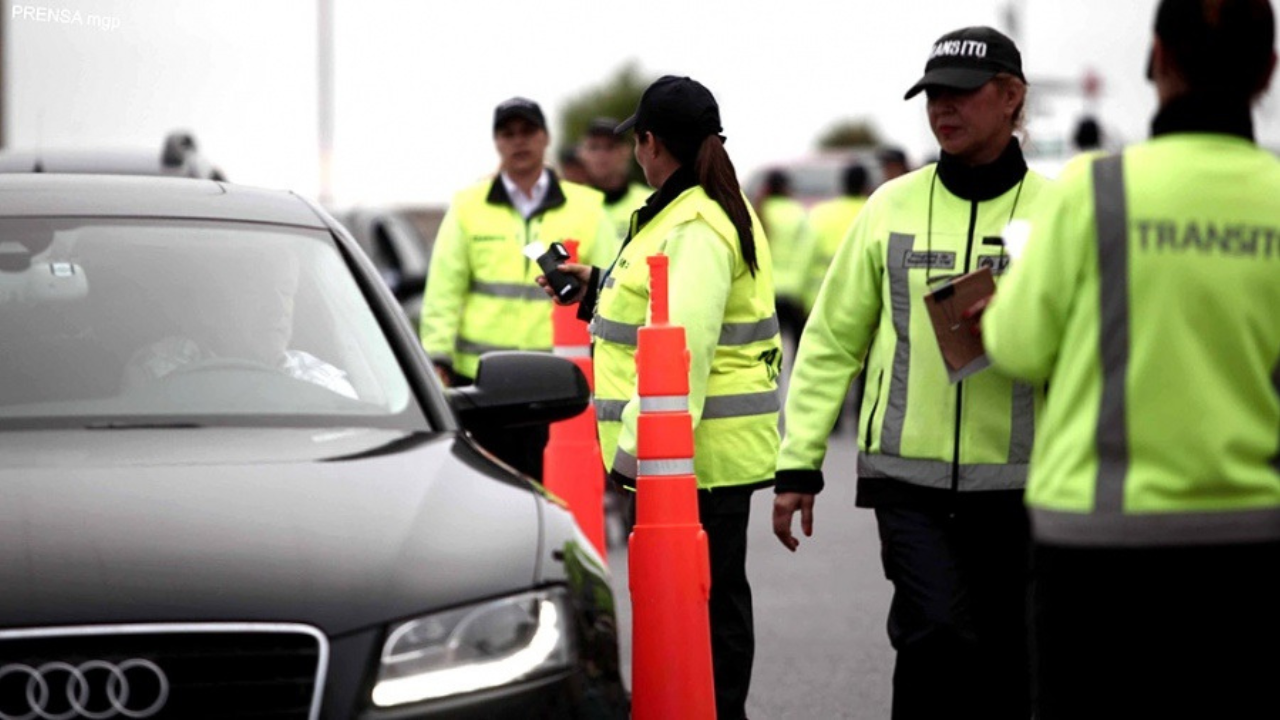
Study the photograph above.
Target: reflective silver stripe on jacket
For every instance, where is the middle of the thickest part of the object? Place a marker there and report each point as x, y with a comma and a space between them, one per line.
1156, 528
730, 333
749, 332
664, 403
1112, 436
517, 291
476, 348
1022, 424
572, 351
727, 406
716, 407
624, 463
895, 411
609, 410
660, 468
937, 473
614, 332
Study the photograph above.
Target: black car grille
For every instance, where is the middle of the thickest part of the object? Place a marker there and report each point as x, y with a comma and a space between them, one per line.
210, 673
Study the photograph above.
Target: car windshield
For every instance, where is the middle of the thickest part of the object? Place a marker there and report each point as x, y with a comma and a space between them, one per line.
129, 323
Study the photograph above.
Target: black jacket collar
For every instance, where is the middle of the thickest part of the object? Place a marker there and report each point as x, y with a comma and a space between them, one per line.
983, 182
1196, 112
682, 179
553, 199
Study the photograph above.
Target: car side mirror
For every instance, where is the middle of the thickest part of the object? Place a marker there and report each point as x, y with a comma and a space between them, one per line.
521, 388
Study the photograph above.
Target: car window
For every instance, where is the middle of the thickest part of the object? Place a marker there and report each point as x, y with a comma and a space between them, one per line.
152, 321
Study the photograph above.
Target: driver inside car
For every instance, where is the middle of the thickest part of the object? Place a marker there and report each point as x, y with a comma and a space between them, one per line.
249, 320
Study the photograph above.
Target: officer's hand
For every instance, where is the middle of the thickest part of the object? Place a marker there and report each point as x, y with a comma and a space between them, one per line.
975, 311
581, 272
443, 374
785, 506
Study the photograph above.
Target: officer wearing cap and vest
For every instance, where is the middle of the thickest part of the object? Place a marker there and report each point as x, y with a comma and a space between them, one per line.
829, 223
721, 292
943, 465
1149, 298
791, 244
607, 160
480, 292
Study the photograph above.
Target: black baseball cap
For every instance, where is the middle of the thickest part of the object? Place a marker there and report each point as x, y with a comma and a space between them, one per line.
518, 107
680, 110
966, 59
602, 127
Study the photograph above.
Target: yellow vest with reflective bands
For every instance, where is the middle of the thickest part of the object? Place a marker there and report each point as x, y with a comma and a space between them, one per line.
785, 221
829, 222
481, 292
734, 399
620, 214
1149, 297
915, 426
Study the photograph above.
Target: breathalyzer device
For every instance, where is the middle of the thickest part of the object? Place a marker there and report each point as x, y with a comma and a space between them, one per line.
565, 286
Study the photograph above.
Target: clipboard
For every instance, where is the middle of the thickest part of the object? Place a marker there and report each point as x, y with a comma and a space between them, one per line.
962, 350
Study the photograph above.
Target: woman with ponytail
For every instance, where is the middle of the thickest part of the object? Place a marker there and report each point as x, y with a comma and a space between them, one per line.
721, 292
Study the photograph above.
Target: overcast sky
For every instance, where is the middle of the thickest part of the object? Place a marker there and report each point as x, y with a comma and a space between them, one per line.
416, 82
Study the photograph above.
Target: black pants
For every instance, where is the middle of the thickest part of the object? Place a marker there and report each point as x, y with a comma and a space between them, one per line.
791, 318
1163, 633
958, 621
724, 516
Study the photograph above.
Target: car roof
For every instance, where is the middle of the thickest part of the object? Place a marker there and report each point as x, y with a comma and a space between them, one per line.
121, 162
42, 194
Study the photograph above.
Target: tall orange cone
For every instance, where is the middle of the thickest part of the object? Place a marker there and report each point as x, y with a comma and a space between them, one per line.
670, 571
571, 465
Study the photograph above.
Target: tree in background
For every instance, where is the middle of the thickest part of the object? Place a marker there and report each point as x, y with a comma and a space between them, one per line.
849, 134
616, 97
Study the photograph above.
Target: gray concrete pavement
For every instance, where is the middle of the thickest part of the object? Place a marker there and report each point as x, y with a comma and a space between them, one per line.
821, 648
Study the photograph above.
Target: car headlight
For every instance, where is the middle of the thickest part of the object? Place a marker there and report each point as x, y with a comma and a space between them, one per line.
475, 647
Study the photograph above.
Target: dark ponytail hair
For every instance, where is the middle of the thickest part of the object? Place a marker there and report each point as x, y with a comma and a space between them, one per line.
1220, 47
717, 177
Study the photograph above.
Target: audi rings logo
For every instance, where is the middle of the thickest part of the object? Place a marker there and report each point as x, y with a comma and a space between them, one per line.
95, 690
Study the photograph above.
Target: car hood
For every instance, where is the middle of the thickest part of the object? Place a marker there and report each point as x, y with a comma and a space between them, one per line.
340, 529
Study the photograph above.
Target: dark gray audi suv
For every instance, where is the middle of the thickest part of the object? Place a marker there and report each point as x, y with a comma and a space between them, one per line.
230, 485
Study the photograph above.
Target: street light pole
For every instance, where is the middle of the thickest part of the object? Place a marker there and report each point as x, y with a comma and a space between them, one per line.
324, 91
4, 63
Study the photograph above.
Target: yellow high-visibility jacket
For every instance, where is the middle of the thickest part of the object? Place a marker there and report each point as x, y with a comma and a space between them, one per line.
829, 222
481, 292
1149, 297
791, 244
731, 330
916, 427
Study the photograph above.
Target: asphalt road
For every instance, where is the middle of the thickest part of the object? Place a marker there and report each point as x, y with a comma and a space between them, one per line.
821, 648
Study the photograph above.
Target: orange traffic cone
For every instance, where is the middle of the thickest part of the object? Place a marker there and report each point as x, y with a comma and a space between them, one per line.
670, 571
572, 468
